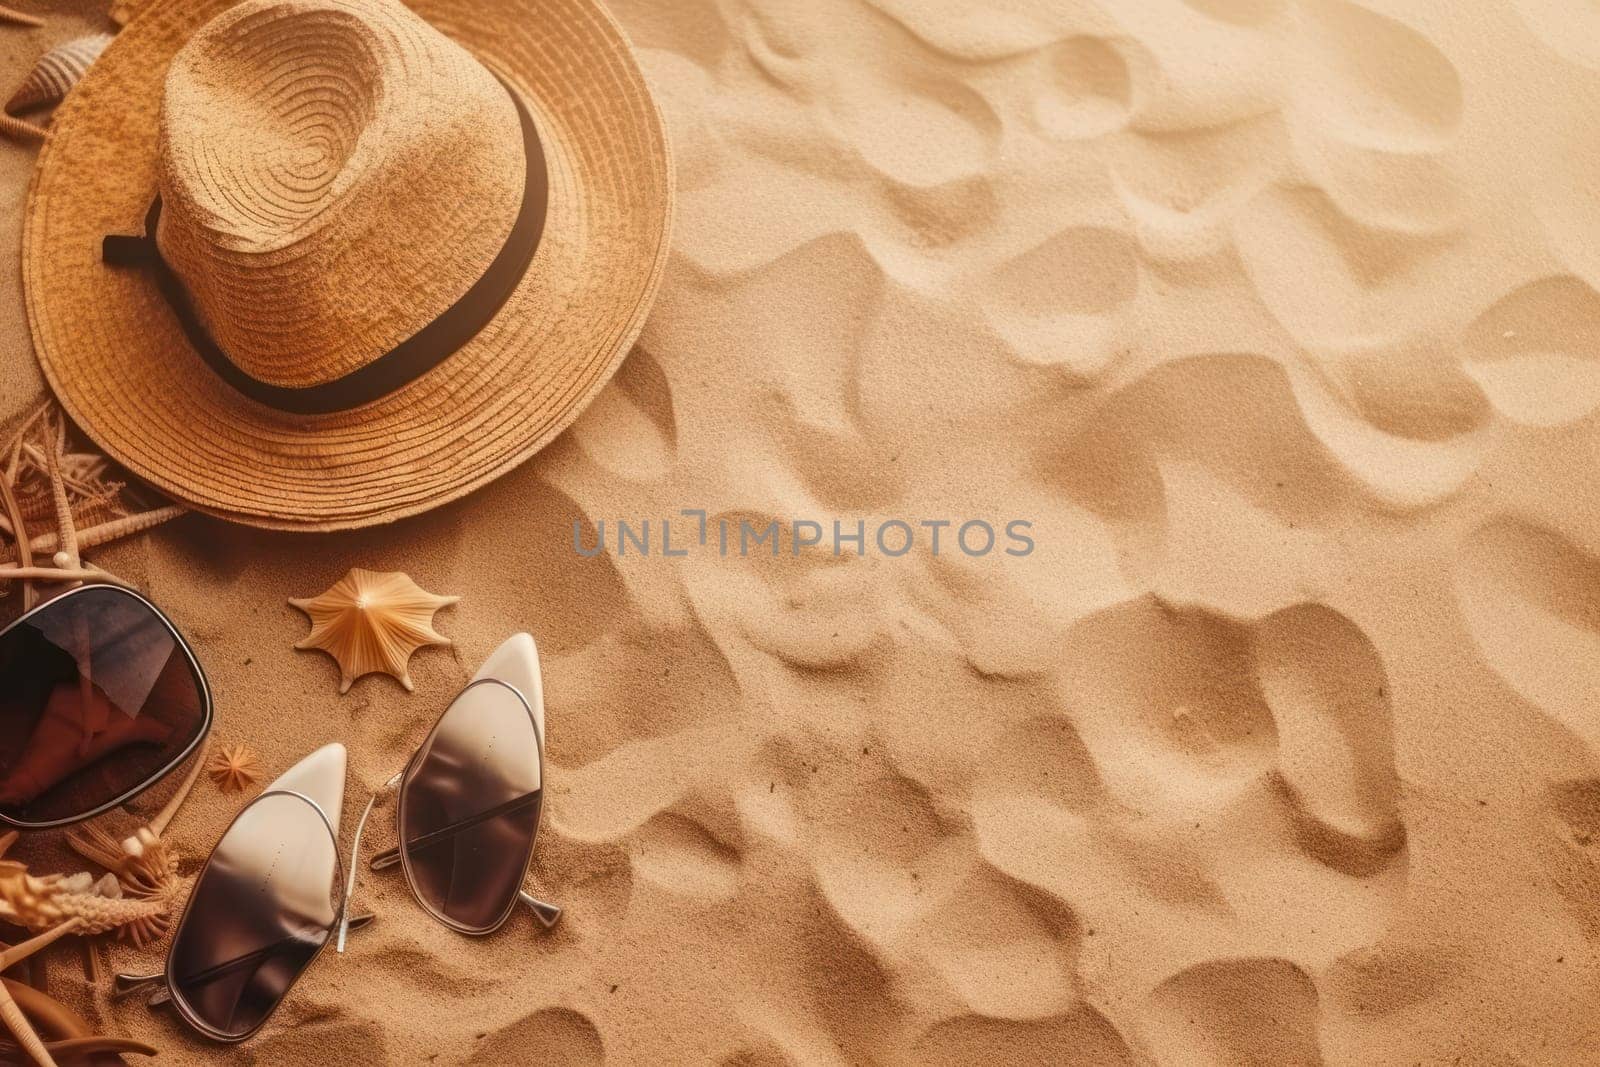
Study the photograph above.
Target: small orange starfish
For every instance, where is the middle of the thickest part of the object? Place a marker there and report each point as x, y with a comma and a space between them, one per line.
234, 768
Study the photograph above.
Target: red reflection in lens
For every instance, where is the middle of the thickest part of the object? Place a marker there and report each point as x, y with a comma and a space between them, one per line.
98, 698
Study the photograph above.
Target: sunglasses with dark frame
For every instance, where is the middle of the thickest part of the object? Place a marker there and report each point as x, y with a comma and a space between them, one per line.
100, 698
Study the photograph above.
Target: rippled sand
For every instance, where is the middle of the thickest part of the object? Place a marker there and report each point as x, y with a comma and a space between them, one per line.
1278, 319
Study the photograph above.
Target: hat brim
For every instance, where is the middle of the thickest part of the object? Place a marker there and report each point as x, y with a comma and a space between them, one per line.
119, 362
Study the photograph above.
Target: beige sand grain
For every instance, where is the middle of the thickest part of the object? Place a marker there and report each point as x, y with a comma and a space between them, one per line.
1279, 319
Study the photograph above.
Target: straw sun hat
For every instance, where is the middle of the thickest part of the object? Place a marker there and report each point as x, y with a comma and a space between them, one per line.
362, 258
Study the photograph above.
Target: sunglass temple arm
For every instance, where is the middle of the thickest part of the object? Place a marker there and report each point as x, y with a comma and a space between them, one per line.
125, 983
548, 914
355, 855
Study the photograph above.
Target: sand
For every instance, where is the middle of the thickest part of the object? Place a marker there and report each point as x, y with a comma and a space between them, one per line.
1279, 323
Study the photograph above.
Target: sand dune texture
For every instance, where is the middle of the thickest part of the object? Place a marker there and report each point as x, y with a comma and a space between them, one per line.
1278, 318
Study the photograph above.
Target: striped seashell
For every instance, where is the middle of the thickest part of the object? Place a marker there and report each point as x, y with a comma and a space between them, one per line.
18, 130
57, 71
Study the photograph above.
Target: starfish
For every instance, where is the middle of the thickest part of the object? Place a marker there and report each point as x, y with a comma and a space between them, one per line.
371, 621
43, 474
234, 768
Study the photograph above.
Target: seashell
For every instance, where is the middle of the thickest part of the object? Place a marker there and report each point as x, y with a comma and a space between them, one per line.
234, 768
57, 71
18, 130
372, 621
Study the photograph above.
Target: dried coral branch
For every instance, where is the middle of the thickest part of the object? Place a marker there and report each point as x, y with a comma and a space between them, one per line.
19, 18
36, 903
146, 873
11, 1012
59, 574
158, 825
43, 475
24, 555
143, 864
66, 537
114, 530
43, 901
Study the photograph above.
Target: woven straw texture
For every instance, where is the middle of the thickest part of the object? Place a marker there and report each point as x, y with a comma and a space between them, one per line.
328, 200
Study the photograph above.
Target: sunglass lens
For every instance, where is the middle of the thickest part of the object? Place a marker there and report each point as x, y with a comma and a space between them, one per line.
469, 808
261, 910
98, 698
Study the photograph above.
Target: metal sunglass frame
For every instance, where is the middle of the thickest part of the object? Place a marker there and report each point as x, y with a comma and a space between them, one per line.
180, 1005
345, 879
188, 750
547, 914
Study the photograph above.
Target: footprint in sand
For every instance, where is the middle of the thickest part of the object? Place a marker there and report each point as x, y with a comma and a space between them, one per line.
1199, 756
909, 113
1062, 303
905, 879
1081, 1037
557, 1037
1182, 188
1235, 416
1324, 274
1328, 693
1531, 598
1088, 92
1234, 1013
812, 610
1536, 352
1375, 81
812, 378
1375, 111
1412, 388
1240, 12
629, 429
1165, 700
1041, 759
925, 131
882, 841
1004, 948
961, 30
682, 856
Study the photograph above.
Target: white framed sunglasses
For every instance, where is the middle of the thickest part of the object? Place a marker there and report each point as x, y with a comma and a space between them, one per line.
274, 891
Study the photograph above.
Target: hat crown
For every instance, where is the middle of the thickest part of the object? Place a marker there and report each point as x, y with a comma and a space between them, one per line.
334, 174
